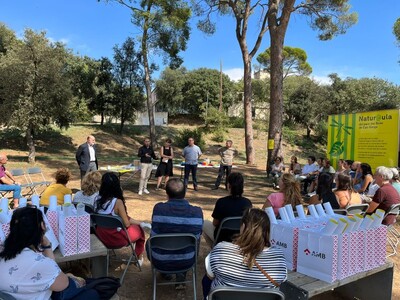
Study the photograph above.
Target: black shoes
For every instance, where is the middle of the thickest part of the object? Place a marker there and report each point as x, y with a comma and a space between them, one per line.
214, 188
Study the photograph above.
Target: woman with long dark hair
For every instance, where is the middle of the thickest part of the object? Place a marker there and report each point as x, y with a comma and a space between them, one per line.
345, 192
364, 173
324, 191
111, 201
27, 266
244, 262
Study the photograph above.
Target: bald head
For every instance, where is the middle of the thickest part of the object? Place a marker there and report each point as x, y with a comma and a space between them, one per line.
91, 140
3, 158
175, 189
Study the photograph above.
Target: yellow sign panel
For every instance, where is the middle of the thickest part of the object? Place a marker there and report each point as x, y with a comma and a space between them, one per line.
271, 144
370, 137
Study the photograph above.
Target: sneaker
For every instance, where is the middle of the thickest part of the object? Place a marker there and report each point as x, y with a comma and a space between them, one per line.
146, 191
140, 193
195, 188
157, 188
140, 261
214, 188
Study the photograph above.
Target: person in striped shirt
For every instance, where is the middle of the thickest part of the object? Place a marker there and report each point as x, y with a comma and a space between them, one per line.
175, 216
244, 262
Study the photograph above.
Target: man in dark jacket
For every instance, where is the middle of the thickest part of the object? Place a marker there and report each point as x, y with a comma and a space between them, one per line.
86, 156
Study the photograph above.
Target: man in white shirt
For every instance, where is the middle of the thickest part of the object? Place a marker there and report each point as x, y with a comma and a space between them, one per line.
308, 173
86, 156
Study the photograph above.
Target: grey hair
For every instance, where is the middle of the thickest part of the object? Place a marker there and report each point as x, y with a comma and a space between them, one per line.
385, 172
395, 173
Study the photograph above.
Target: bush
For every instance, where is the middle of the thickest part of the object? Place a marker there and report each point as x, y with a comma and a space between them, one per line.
215, 120
289, 135
236, 122
183, 136
219, 136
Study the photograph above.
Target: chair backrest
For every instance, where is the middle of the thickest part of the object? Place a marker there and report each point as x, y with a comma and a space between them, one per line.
107, 221
17, 172
173, 243
229, 227
34, 170
394, 210
340, 211
89, 209
357, 209
235, 293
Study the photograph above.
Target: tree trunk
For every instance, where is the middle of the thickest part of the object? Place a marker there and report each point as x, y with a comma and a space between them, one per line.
248, 127
308, 131
147, 82
31, 144
276, 96
102, 119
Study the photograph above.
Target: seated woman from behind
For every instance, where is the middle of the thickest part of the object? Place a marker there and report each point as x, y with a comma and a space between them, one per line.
241, 263
363, 178
27, 266
111, 201
289, 193
90, 188
324, 191
58, 189
345, 193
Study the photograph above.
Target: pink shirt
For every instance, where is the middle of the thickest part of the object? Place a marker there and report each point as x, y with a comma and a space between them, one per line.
276, 200
2, 171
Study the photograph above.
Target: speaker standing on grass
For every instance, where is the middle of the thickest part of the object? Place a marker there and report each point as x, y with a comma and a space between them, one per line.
227, 153
146, 154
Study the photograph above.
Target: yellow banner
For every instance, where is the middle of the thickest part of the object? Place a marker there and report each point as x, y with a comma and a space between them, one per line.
370, 137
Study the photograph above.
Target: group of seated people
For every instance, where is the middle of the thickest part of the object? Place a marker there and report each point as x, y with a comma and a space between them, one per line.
248, 254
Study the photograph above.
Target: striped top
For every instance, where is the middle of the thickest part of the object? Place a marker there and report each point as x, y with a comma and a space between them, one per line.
229, 270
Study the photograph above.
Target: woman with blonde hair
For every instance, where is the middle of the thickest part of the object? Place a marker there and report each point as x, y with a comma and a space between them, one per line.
289, 193
89, 188
244, 262
58, 189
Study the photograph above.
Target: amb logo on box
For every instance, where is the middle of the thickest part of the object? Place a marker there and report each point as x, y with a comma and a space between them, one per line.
315, 254
278, 243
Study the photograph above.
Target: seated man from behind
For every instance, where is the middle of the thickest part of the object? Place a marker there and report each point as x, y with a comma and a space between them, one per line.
175, 216
230, 206
7, 181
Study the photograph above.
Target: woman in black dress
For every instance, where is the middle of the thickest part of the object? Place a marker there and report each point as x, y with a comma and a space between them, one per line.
165, 167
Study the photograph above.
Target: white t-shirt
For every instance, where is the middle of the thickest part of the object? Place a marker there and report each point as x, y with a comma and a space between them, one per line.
28, 276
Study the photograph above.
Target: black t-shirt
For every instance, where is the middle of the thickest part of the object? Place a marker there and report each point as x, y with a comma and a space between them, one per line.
230, 206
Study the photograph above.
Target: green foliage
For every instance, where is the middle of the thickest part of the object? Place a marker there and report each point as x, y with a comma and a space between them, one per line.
219, 136
214, 119
294, 61
321, 131
290, 135
236, 122
181, 139
396, 30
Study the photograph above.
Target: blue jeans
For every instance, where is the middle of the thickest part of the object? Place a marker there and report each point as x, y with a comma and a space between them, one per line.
188, 169
12, 187
74, 293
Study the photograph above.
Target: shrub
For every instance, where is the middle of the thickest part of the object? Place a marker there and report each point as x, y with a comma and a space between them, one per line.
289, 135
183, 136
236, 122
321, 132
219, 136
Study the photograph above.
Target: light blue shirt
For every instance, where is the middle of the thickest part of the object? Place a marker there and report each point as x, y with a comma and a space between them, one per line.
191, 154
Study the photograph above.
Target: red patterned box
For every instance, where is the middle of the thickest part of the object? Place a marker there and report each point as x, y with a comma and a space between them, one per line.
380, 245
67, 234
83, 229
52, 216
344, 254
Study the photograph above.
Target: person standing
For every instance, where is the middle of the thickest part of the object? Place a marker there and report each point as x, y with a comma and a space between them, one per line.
86, 156
165, 168
146, 154
227, 153
191, 153
8, 182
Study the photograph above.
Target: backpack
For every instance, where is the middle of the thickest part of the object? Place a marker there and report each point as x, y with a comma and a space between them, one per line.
106, 287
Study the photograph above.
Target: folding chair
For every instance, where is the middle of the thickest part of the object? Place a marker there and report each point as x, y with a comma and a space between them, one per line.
236, 293
20, 175
340, 211
107, 221
393, 235
357, 209
173, 243
229, 227
33, 174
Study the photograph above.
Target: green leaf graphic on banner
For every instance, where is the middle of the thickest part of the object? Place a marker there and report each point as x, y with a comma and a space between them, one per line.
337, 148
340, 126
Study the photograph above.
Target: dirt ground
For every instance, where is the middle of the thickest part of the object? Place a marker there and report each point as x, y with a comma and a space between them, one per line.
58, 151
138, 285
